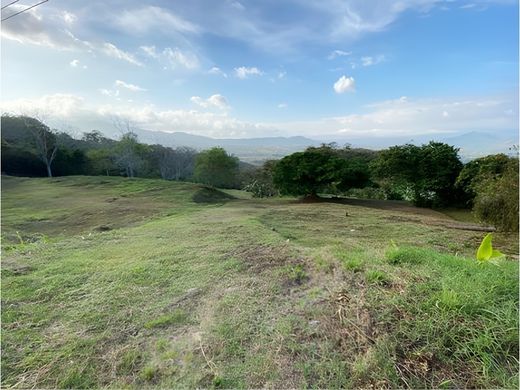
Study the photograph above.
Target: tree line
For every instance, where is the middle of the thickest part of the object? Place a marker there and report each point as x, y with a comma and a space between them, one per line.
31, 148
430, 175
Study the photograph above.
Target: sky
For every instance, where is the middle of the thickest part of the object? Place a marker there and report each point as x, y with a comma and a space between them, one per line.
325, 69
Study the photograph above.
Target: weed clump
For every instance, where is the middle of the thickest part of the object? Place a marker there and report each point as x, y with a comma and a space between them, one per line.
177, 317
148, 373
407, 255
295, 274
354, 265
377, 277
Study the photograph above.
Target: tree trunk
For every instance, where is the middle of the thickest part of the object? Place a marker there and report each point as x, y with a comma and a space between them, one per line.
49, 172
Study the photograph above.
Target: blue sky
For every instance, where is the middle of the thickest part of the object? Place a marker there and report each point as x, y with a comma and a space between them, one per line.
260, 68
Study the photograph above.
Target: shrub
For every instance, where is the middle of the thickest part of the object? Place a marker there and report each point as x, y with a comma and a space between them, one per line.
496, 201
260, 181
260, 189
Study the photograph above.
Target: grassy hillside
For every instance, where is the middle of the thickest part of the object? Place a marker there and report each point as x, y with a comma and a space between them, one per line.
139, 283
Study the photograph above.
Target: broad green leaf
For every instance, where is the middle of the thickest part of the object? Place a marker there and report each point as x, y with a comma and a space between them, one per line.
485, 250
496, 253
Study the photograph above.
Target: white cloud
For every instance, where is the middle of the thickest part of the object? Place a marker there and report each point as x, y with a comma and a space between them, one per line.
345, 84
172, 57
31, 27
237, 5
204, 123
338, 53
369, 60
58, 105
244, 72
218, 101
400, 117
109, 92
425, 116
358, 17
72, 110
409, 117
176, 57
216, 70
68, 17
318, 22
151, 18
283, 105
112, 50
131, 87
52, 29
77, 64
214, 101
150, 51
281, 75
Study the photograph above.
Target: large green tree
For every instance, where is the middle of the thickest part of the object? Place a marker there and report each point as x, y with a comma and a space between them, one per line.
316, 170
475, 171
217, 168
129, 154
424, 174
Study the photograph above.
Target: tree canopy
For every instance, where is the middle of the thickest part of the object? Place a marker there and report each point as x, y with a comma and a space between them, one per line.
476, 170
217, 168
316, 170
425, 174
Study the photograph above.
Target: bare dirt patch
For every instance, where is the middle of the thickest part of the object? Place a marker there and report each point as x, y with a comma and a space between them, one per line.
263, 257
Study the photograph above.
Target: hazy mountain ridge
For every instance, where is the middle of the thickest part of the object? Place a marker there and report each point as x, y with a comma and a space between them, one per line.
247, 149
472, 144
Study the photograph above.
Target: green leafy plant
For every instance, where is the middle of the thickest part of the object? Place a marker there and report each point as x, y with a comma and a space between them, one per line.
486, 252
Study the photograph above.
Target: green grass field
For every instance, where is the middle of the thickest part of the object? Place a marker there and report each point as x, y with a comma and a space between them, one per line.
117, 283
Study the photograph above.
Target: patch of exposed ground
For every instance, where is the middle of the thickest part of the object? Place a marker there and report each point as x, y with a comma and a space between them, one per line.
258, 258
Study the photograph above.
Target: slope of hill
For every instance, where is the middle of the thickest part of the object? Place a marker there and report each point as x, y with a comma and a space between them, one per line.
117, 283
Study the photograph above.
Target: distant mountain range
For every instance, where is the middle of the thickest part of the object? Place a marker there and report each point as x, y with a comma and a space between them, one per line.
476, 144
252, 150
255, 150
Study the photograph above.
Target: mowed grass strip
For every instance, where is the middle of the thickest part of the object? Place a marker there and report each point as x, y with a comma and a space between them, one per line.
248, 293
